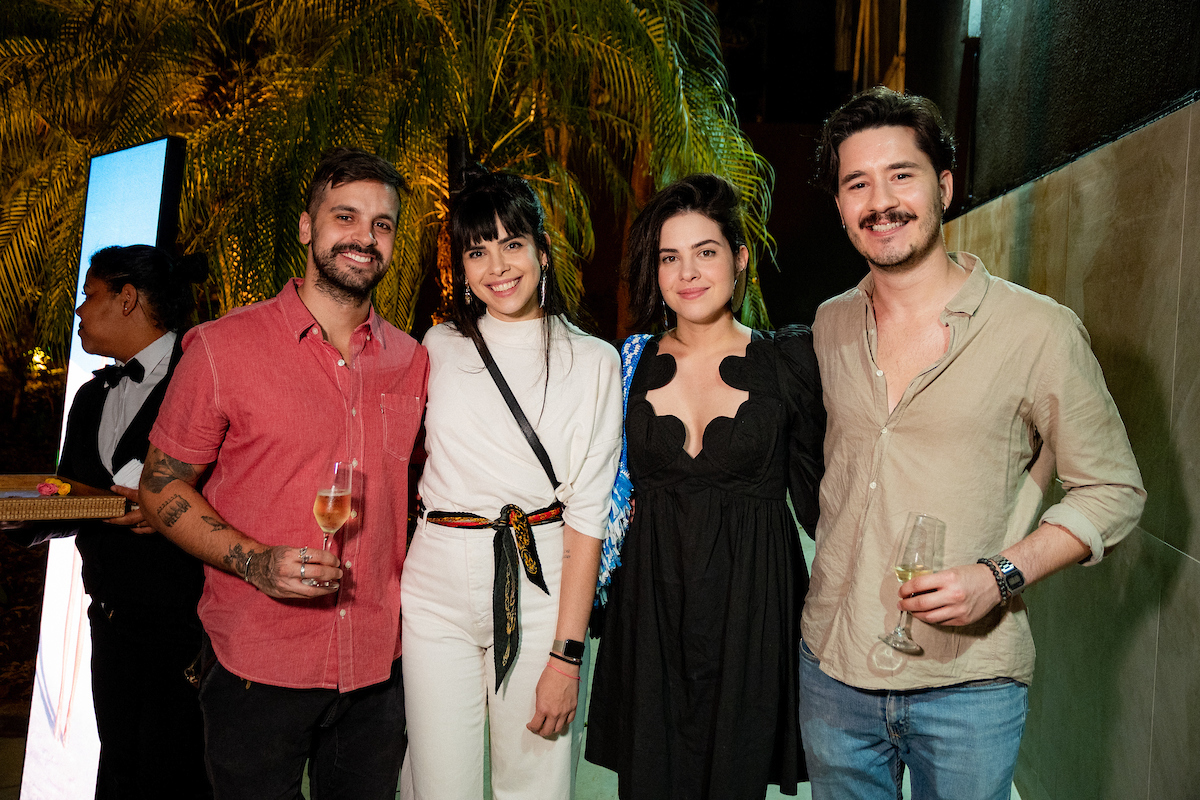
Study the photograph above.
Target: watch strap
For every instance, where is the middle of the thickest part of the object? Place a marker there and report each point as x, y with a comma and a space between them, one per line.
1012, 575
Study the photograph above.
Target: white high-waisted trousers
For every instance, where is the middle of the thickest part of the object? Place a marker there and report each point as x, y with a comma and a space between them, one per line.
450, 677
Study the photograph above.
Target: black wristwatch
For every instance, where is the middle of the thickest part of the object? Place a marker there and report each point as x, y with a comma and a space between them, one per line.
568, 650
568, 647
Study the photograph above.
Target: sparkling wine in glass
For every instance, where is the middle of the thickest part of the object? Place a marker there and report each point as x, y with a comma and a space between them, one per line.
920, 553
332, 505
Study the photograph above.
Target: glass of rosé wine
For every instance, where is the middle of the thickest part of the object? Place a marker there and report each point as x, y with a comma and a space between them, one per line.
332, 505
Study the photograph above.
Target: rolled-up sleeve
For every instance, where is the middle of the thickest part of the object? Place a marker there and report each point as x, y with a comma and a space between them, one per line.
1076, 415
587, 490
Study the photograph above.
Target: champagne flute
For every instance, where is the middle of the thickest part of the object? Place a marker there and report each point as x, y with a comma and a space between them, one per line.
332, 505
920, 554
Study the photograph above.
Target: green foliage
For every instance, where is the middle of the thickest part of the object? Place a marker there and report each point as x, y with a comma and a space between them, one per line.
624, 95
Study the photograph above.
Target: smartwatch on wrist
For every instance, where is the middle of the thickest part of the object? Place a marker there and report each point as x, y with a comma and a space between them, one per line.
568, 647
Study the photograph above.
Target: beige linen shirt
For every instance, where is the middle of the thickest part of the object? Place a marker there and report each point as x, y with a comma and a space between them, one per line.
1018, 370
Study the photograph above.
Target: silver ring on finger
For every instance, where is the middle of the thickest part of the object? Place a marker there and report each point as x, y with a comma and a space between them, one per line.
302, 572
304, 556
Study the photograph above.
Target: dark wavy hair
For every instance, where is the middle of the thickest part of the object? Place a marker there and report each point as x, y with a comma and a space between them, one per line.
712, 196
164, 284
881, 107
347, 165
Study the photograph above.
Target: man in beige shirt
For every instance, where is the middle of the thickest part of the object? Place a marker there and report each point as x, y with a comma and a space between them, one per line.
954, 394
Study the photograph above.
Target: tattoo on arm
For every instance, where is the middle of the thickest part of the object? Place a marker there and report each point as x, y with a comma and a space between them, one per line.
166, 469
235, 559
216, 523
262, 567
170, 511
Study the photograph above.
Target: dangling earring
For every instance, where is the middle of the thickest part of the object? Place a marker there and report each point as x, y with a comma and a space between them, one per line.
542, 291
666, 319
467, 292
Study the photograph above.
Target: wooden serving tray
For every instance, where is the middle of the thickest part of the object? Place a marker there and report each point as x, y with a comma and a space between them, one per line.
84, 502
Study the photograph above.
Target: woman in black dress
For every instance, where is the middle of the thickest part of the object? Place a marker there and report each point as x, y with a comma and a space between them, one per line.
695, 690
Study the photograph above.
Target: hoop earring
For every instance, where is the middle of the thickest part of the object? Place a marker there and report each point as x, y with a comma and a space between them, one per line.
542, 291
467, 292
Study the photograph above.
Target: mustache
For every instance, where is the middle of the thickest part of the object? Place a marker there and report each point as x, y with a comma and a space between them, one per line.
886, 218
366, 251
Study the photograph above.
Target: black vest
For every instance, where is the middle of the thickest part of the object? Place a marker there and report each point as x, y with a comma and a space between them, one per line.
143, 576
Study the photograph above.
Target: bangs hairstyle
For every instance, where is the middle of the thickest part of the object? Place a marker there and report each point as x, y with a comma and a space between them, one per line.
881, 107
163, 284
712, 196
485, 198
349, 165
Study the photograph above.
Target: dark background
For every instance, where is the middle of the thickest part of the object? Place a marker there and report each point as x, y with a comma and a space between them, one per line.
1053, 81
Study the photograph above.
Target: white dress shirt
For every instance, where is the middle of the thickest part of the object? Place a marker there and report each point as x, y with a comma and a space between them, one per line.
125, 400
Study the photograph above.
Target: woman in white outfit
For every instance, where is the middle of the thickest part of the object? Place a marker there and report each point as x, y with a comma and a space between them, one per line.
499, 579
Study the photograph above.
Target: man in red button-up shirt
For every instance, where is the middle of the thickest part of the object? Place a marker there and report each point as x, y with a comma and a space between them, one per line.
305, 642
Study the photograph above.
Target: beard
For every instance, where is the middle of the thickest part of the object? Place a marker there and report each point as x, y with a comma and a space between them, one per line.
347, 285
897, 258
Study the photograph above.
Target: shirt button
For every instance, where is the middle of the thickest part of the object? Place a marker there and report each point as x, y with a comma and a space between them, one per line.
354, 463
879, 372
354, 513
348, 565
342, 612
341, 362
368, 337
354, 412
883, 430
872, 484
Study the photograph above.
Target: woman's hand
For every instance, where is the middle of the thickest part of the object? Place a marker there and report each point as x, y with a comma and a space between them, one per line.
555, 700
133, 518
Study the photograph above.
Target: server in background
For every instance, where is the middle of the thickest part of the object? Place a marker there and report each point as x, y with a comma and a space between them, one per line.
144, 589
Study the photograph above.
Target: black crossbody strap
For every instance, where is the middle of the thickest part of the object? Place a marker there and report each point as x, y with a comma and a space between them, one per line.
515, 407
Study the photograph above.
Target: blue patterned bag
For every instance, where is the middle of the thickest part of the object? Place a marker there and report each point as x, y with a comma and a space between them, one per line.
620, 508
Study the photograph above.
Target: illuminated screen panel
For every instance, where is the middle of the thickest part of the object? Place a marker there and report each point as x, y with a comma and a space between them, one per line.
132, 198
124, 202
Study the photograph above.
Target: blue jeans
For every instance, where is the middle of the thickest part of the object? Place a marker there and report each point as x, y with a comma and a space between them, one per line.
959, 742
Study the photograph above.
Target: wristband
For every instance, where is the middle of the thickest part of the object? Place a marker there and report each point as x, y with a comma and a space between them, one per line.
573, 661
550, 664
1005, 592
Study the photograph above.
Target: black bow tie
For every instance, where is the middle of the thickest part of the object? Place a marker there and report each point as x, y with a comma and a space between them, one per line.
111, 375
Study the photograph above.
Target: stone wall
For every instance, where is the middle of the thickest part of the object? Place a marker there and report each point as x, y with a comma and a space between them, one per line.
1115, 704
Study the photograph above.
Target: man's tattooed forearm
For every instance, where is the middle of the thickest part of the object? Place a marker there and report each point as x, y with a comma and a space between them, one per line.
258, 567
216, 523
235, 559
170, 511
165, 469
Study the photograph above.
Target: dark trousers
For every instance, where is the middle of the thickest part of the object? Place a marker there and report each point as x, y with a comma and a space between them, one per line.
258, 738
147, 713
